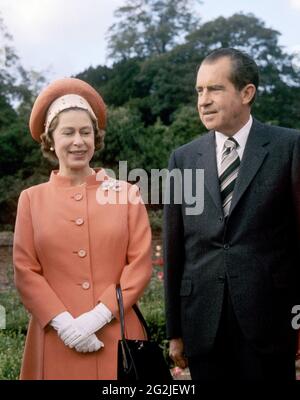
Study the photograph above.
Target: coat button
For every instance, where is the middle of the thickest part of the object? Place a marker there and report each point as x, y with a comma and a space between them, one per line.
85, 285
78, 196
226, 246
82, 253
79, 221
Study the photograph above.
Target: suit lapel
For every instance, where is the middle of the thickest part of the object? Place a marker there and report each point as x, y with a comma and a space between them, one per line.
207, 161
253, 157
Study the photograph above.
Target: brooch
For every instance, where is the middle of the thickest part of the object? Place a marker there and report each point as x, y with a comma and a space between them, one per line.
111, 185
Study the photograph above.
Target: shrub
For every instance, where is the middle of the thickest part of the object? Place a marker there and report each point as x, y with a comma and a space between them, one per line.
11, 350
156, 220
16, 315
152, 307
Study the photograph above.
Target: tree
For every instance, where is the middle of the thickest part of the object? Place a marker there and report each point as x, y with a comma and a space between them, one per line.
246, 33
123, 131
8, 61
170, 78
159, 85
17, 85
149, 27
279, 78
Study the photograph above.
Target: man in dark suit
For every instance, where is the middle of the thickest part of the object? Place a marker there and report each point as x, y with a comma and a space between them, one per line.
232, 273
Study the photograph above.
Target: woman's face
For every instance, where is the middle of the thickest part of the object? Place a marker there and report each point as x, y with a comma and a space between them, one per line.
73, 138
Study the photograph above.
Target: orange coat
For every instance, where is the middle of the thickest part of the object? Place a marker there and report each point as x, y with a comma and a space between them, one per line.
69, 253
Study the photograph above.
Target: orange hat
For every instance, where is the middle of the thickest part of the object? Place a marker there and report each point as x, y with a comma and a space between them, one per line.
58, 89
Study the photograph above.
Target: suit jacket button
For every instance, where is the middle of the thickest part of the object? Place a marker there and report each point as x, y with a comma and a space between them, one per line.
85, 285
221, 219
82, 253
226, 246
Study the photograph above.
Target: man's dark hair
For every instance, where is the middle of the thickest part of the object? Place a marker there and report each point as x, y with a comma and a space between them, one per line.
244, 69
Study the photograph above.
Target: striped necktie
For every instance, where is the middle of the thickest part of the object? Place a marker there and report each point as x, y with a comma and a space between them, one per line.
228, 173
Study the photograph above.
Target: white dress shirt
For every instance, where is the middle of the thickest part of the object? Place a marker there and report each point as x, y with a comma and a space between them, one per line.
241, 137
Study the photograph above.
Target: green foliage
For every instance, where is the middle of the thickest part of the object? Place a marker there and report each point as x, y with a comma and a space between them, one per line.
152, 307
247, 33
186, 125
15, 82
11, 351
7, 113
12, 339
156, 220
122, 141
161, 83
155, 144
16, 316
10, 188
150, 27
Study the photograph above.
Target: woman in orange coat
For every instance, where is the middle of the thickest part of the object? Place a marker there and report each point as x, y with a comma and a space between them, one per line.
76, 237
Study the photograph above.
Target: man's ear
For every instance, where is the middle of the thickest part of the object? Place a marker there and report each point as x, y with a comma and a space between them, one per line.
248, 93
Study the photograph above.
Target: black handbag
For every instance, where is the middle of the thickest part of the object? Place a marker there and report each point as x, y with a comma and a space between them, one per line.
139, 360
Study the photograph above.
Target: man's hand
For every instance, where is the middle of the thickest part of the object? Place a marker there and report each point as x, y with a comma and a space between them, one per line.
176, 353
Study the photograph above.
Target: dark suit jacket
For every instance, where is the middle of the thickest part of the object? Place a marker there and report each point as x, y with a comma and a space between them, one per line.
256, 248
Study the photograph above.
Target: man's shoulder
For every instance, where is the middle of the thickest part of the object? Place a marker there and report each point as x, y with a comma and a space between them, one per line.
278, 132
194, 146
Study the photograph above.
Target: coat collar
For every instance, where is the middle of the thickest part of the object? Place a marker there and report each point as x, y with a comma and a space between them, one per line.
253, 157
90, 180
255, 152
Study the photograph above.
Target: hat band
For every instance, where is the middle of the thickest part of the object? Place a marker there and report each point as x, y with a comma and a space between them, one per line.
64, 103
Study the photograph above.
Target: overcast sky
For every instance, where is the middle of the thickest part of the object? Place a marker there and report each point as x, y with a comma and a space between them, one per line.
64, 37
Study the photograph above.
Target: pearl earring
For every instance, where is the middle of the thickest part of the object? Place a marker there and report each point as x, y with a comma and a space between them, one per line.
51, 148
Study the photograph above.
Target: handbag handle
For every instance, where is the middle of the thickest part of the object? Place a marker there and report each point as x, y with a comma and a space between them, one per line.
122, 314
121, 310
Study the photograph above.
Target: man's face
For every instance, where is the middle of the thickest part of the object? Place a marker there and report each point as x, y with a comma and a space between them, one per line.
221, 106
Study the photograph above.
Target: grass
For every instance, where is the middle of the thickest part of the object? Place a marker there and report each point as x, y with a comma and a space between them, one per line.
11, 351
16, 315
13, 337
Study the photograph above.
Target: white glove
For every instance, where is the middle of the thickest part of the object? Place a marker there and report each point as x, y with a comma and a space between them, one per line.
86, 324
63, 323
90, 344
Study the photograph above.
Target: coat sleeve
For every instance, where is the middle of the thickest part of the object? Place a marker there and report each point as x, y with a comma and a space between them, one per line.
137, 272
296, 180
35, 292
296, 200
173, 253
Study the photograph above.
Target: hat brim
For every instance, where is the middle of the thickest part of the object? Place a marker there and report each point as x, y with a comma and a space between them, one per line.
60, 88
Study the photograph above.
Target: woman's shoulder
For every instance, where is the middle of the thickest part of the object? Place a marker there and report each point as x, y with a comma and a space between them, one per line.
34, 189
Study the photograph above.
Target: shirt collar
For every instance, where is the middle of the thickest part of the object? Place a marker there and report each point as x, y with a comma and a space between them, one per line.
241, 136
